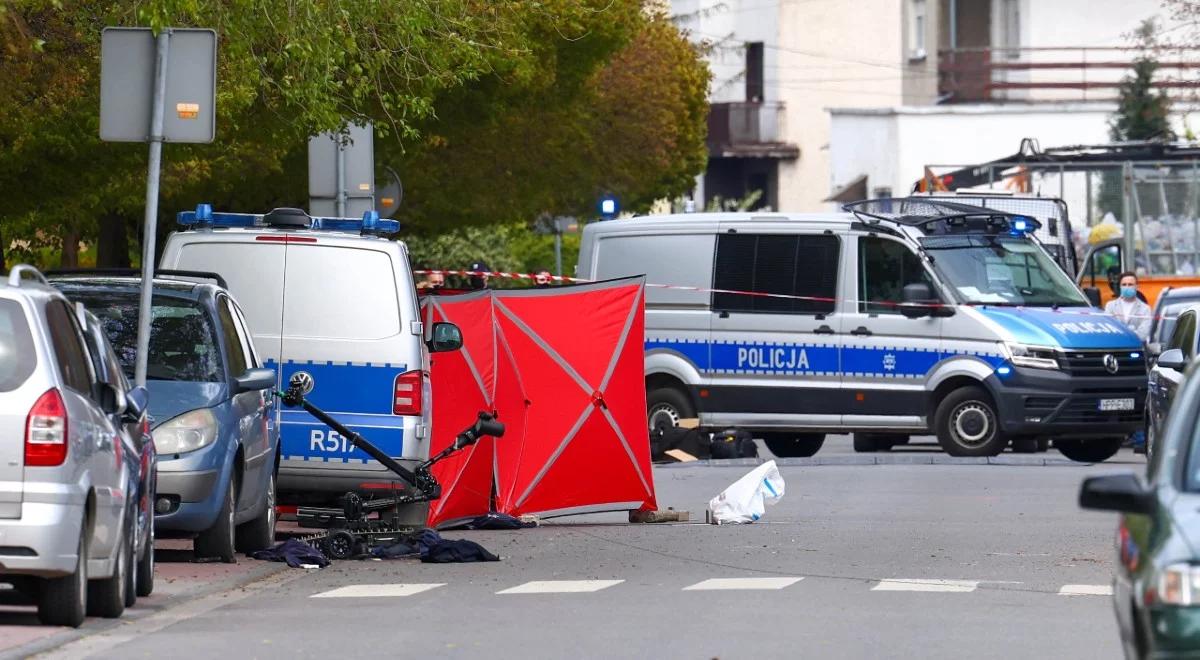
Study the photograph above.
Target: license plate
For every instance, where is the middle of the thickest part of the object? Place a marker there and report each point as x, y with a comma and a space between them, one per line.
1116, 404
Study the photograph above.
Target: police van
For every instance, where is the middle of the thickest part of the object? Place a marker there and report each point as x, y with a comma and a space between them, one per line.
333, 300
894, 318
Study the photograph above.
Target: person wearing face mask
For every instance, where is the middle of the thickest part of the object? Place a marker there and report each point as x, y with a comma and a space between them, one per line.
1129, 309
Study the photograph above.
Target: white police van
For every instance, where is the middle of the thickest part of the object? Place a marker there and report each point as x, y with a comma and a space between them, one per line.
896, 318
333, 299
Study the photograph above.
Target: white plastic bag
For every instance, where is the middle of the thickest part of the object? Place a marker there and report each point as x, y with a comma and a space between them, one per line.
745, 501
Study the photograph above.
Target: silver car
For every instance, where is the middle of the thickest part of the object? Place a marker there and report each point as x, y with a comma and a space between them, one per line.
68, 497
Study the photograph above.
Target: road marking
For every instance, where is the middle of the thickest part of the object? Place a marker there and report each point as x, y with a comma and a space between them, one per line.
560, 587
1085, 590
948, 586
378, 590
723, 584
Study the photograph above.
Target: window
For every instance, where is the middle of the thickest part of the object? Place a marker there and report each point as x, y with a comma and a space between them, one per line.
340, 293
884, 268
919, 25
238, 359
1184, 335
795, 265
17, 356
69, 352
183, 344
244, 330
1010, 26
754, 71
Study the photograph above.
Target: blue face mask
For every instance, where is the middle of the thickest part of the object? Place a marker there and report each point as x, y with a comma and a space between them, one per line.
1128, 291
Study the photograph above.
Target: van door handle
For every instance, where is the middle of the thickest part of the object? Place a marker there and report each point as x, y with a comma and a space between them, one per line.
823, 330
861, 331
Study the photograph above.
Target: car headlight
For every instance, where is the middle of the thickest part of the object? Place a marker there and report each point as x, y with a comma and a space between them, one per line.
1179, 584
1034, 357
187, 432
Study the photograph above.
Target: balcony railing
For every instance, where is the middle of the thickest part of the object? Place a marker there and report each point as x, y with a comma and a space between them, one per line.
967, 75
747, 129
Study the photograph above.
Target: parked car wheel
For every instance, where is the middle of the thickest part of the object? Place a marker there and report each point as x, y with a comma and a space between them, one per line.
967, 424
665, 406
106, 597
63, 601
794, 445
218, 540
145, 565
1096, 450
259, 534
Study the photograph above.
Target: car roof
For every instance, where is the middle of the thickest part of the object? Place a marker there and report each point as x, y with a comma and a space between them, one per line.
1183, 292
162, 285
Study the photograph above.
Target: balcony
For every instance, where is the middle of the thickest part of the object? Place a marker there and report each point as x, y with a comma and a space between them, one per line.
997, 75
747, 130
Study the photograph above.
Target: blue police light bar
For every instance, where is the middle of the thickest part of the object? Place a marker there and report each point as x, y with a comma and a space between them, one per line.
204, 216
608, 206
370, 223
1020, 225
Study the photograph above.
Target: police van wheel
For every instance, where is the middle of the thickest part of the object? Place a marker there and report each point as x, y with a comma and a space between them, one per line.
967, 424
665, 406
794, 445
1096, 450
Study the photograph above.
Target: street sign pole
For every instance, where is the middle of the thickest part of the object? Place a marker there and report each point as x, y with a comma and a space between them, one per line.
162, 52
341, 176
558, 251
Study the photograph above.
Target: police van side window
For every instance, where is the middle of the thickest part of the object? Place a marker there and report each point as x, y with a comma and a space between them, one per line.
233, 340
805, 266
884, 268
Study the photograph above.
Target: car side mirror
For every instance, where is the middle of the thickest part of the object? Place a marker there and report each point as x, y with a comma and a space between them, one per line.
1172, 359
1092, 294
136, 402
918, 302
1124, 493
111, 398
255, 379
445, 337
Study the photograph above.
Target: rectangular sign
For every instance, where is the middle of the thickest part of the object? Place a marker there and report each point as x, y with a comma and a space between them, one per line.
127, 61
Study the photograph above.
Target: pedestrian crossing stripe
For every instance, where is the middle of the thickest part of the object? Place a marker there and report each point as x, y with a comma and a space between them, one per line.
945, 586
726, 584
560, 587
1085, 590
378, 590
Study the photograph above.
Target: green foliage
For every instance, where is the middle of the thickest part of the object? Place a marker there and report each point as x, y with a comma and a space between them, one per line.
493, 111
1142, 112
505, 247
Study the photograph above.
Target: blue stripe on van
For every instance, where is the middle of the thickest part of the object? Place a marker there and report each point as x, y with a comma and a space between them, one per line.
360, 395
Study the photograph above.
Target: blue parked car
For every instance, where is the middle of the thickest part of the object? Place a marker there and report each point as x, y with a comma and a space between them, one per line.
211, 406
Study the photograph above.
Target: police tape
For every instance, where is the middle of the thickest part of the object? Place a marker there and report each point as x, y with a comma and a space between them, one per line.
762, 294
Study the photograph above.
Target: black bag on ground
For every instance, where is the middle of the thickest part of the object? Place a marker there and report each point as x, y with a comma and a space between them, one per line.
690, 441
733, 443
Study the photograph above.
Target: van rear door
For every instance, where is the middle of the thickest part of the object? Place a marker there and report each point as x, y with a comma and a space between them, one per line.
345, 325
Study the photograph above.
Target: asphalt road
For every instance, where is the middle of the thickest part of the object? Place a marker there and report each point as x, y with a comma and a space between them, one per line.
856, 561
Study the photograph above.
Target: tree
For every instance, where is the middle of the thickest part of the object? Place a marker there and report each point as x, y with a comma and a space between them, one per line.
1142, 112
494, 110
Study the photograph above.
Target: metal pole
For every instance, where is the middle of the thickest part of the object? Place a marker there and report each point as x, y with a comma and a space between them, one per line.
953, 24
150, 230
341, 176
557, 249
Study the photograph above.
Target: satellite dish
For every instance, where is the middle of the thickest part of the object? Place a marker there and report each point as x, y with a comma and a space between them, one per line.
388, 194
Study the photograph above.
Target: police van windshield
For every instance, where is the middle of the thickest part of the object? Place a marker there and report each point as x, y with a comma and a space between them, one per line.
1001, 270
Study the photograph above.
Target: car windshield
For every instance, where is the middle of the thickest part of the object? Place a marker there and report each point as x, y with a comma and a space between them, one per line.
1001, 270
183, 345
